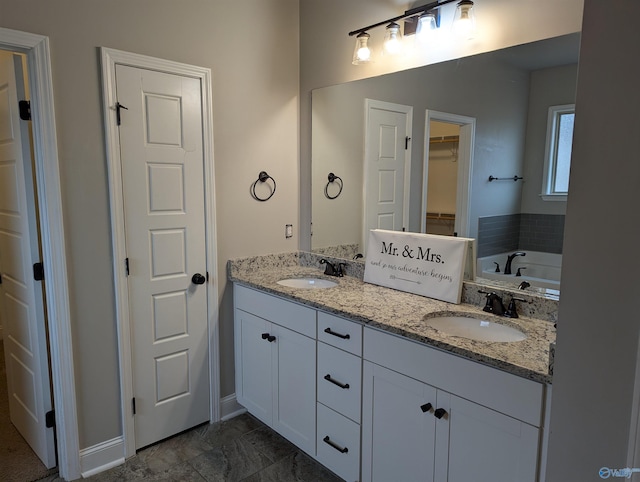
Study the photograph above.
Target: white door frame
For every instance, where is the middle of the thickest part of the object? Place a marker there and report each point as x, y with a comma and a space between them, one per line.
465, 164
36, 48
405, 109
110, 58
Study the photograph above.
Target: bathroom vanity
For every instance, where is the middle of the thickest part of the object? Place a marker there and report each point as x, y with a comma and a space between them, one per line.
355, 377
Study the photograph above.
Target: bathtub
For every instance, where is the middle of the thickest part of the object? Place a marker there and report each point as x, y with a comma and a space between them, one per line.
542, 269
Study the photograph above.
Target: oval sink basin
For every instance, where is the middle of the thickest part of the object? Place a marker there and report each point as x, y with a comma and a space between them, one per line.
476, 329
307, 283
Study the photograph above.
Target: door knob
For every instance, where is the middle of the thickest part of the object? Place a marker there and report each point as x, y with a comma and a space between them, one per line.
198, 279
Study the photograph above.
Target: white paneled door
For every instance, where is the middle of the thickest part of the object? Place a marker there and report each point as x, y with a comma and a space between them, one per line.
387, 161
21, 296
161, 141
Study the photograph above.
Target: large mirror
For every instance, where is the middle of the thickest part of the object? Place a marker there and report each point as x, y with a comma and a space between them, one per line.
447, 129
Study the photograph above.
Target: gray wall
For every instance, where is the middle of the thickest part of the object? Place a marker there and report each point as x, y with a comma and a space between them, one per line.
598, 324
255, 109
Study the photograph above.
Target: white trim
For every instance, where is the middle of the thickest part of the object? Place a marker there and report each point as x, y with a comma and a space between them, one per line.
47, 172
110, 58
465, 167
101, 457
230, 408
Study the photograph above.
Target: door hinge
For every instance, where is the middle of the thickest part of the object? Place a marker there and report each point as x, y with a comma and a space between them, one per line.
0, 278
133, 405
24, 107
126, 265
38, 272
50, 419
406, 142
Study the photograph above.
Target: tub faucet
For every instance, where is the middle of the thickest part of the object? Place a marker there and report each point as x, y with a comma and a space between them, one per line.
507, 266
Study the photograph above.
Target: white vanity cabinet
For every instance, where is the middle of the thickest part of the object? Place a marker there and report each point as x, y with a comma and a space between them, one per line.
275, 357
431, 416
374, 406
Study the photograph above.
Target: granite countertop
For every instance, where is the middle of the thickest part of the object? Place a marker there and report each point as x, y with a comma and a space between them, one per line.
403, 314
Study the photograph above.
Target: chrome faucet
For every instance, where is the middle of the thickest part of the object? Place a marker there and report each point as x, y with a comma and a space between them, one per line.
507, 267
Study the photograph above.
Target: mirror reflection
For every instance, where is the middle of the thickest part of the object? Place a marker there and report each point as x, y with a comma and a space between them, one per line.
455, 148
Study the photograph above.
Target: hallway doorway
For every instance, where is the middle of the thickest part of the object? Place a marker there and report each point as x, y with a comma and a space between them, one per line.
54, 257
22, 305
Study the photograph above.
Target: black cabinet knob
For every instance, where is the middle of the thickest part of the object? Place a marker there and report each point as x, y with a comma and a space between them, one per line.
270, 338
439, 413
426, 407
198, 279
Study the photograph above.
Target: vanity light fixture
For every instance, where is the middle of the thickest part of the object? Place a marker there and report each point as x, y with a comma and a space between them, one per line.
423, 20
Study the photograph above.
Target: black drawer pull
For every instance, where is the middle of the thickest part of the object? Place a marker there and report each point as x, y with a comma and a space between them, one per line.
328, 378
268, 337
344, 337
342, 450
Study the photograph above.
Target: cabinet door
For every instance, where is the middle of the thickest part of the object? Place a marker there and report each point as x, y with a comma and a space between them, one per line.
398, 427
295, 405
254, 379
487, 446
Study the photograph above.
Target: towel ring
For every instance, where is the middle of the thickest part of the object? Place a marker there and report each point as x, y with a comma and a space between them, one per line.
332, 178
262, 177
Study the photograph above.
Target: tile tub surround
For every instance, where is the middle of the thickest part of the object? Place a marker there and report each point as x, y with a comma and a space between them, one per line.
401, 313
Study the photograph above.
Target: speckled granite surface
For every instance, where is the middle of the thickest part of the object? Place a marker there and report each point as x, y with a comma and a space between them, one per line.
402, 313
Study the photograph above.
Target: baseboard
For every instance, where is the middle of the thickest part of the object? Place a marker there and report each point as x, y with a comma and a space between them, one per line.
101, 457
109, 454
229, 407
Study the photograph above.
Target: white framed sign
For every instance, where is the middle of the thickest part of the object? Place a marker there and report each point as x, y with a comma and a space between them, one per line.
423, 264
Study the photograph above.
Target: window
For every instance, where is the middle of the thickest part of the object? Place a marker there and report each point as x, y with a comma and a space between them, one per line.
557, 163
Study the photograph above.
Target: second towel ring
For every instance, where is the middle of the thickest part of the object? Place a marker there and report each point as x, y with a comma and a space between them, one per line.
332, 178
262, 177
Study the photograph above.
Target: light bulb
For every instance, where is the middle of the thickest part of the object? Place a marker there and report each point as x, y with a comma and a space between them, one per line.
393, 39
427, 27
362, 52
464, 23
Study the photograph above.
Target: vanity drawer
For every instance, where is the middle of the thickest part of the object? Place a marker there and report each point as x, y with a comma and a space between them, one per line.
340, 380
338, 443
504, 392
341, 333
299, 318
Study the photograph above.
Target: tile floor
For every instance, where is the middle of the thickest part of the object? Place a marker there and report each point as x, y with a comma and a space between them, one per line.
240, 449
